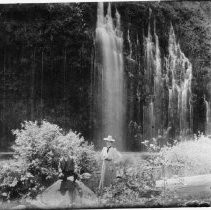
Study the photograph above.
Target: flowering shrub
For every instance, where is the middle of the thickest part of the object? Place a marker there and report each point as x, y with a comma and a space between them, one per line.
38, 149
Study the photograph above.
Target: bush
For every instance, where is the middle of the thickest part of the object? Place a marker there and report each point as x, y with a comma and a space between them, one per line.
135, 185
38, 149
186, 158
192, 156
16, 181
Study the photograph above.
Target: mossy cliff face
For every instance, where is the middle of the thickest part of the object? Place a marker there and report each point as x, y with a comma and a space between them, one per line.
47, 54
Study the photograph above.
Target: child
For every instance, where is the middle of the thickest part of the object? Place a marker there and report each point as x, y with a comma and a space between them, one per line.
67, 167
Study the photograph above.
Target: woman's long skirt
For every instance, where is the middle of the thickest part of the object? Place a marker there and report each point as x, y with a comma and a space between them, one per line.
108, 174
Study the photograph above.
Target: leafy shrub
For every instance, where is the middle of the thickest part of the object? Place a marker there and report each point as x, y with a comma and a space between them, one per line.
134, 187
186, 158
38, 148
16, 181
85, 156
192, 157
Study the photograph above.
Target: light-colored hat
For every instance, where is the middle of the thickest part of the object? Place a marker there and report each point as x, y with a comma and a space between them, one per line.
109, 138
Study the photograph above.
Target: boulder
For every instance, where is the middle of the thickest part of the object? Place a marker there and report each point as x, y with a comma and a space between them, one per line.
65, 194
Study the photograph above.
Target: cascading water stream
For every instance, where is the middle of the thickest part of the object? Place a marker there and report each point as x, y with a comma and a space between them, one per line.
208, 120
167, 86
148, 115
177, 77
158, 85
130, 45
109, 67
152, 110
179, 71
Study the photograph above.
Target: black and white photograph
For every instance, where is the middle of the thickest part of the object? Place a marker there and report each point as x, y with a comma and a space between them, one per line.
105, 104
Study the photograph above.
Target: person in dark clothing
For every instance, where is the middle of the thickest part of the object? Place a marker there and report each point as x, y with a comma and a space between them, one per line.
67, 167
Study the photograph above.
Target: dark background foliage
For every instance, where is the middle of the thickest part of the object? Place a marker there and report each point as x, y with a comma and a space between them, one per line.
47, 53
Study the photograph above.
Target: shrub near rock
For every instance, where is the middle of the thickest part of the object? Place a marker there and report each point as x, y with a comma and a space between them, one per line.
38, 148
133, 187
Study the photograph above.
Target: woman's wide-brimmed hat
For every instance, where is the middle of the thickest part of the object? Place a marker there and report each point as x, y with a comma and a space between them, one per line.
109, 138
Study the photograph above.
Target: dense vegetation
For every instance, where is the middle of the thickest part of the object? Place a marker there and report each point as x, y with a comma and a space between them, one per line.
38, 149
35, 167
46, 59
47, 53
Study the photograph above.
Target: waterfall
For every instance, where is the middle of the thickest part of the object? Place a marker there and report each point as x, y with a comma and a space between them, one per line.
158, 85
109, 75
148, 115
154, 86
167, 85
177, 79
207, 110
179, 71
208, 120
130, 45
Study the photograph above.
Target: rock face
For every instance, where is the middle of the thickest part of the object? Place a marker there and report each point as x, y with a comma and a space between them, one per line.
66, 194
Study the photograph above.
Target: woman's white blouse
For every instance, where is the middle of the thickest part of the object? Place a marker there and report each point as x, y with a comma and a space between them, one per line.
112, 154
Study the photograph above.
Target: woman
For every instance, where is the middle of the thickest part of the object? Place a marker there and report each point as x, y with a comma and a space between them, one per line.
110, 156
